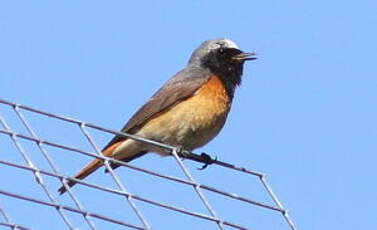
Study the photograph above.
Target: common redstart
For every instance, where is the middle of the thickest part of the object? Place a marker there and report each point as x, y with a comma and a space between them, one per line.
188, 111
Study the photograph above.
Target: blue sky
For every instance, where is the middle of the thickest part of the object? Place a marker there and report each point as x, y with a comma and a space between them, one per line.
305, 114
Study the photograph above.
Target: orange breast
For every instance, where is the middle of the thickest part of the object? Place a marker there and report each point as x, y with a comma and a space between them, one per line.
194, 121
213, 93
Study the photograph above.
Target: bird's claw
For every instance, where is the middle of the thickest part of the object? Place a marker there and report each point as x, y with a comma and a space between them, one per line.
207, 160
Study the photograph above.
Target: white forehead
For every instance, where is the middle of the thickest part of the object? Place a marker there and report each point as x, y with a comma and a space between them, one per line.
206, 47
230, 44
227, 43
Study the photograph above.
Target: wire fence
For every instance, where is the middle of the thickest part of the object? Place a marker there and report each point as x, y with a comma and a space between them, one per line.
70, 211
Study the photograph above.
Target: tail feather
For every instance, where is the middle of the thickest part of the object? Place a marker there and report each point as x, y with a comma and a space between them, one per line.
91, 167
86, 171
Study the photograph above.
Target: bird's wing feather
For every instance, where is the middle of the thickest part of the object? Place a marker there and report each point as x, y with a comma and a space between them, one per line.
178, 88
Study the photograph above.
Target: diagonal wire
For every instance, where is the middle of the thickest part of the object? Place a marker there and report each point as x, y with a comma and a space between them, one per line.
278, 203
5, 215
196, 186
115, 178
35, 172
171, 178
54, 168
50, 162
68, 208
134, 137
122, 193
136, 168
8, 223
174, 151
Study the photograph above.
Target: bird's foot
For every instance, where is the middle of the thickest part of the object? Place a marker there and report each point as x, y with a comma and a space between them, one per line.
207, 160
203, 157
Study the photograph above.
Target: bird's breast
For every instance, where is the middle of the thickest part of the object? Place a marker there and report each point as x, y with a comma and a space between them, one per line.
194, 121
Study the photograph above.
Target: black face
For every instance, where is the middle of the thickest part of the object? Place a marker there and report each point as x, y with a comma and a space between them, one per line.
222, 56
221, 62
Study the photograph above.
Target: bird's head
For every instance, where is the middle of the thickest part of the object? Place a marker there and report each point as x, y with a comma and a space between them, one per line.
219, 51
223, 58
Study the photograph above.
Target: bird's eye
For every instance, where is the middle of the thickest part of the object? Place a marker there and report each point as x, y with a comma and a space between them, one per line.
221, 50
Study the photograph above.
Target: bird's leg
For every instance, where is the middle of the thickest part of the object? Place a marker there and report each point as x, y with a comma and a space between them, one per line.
203, 158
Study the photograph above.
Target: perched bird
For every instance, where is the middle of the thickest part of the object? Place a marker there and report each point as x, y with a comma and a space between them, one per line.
188, 111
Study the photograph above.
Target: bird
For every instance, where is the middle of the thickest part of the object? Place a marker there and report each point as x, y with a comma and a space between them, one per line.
188, 111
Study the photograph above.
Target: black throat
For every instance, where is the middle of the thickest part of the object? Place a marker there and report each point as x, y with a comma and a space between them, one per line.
229, 71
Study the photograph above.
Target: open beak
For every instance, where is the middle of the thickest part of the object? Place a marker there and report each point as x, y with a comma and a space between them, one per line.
245, 57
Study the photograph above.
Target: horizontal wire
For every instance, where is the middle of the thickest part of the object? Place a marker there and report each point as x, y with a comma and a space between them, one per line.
134, 137
35, 172
7, 222
51, 163
196, 187
175, 179
116, 179
68, 208
278, 203
123, 193
13, 226
190, 156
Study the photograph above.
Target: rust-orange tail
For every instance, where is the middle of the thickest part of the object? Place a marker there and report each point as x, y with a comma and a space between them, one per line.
91, 167
84, 172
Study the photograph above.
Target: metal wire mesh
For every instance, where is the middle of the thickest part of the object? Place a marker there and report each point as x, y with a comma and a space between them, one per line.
133, 201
